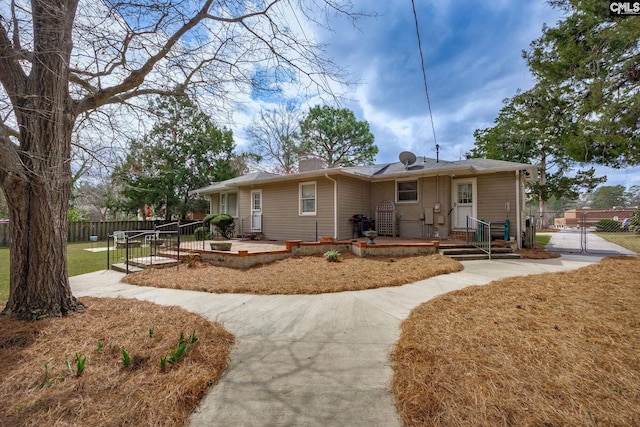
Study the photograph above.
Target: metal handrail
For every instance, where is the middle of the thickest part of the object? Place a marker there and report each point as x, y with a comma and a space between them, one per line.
130, 240
482, 230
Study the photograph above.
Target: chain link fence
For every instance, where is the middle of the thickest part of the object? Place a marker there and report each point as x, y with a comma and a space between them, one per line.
587, 231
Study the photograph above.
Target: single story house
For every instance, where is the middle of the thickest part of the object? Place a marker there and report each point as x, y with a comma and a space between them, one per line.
418, 198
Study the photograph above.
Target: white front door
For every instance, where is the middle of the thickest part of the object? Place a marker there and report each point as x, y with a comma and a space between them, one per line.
464, 201
256, 210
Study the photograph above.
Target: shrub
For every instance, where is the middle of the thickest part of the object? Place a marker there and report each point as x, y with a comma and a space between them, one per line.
635, 222
608, 225
207, 219
201, 233
332, 256
221, 222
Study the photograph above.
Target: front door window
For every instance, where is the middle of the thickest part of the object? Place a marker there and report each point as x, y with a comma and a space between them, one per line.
464, 201
256, 210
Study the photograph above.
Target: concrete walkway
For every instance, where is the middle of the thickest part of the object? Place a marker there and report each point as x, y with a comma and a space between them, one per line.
312, 360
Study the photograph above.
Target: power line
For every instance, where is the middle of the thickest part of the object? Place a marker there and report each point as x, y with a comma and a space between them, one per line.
424, 73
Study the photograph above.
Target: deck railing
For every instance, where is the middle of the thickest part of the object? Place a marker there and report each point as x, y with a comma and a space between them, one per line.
149, 247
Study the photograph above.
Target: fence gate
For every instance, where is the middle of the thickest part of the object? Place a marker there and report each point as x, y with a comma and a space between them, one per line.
603, 229
586, 231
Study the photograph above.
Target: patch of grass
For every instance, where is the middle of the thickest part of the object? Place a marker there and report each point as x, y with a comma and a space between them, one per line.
626, 240
300, 275
79, 261
542, 239
41, 385
4, 274
550, 349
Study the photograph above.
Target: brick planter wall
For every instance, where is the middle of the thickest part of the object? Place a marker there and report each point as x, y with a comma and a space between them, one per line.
244, 259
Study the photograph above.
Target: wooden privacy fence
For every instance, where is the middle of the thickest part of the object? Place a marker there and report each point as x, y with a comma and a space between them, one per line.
82, 230
4, 235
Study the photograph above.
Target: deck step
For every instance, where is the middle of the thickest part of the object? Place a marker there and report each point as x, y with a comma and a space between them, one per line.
472, 250
183, 255
482, 255
466, 252
137, 264
122, 268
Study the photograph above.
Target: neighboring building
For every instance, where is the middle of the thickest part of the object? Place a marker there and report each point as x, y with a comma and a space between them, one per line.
421, 198
587, 217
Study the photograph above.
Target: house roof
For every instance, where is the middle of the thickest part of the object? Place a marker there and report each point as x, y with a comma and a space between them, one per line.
235, 182
422, 167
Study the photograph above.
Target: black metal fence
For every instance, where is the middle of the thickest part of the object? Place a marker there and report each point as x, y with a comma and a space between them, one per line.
164, 244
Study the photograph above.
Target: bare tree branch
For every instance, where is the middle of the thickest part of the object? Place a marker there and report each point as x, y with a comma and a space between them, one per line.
12, 76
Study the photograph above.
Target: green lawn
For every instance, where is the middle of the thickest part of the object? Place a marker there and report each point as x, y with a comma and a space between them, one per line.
543, 239
626, 240
79, 262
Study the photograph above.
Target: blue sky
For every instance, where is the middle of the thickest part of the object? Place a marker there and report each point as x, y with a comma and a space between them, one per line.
473, 58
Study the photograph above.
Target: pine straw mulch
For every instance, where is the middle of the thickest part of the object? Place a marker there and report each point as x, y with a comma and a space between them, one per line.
37, 388
299, 275
546, 350
537, 252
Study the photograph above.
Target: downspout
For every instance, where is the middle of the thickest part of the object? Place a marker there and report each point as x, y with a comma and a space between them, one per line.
518, 213
335, 205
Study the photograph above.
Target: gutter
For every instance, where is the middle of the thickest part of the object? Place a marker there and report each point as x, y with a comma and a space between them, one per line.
335, 205
519, 215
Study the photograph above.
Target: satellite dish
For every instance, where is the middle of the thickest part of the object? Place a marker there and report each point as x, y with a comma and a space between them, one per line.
407, 158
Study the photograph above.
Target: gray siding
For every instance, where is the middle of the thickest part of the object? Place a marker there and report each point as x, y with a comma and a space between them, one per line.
418, 220
353, 198
214, 203
281, 220
495, 191
280, 210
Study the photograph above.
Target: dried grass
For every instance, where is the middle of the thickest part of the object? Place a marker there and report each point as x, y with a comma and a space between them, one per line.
299, 275
537, 252
37, 389
546, 350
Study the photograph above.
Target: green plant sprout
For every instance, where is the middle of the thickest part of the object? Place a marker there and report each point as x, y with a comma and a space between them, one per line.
80, 364
126, 359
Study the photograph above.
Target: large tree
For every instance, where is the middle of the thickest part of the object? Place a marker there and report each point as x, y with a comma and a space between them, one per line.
593, 58
534, 127
334, 136
273, 136
633, 196
183, 151
608, 196
65, 60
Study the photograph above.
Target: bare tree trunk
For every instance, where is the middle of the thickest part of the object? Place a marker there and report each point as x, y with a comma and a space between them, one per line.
39, 186
38, 204
38, 274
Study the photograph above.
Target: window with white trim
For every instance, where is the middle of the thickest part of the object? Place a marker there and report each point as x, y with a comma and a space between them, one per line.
307, 198
228, 204
407, 191
223, 203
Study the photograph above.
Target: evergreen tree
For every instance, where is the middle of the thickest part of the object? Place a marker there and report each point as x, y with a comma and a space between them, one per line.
334, 136
592, 58
183, 151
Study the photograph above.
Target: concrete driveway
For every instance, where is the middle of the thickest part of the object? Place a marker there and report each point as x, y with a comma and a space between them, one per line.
312, 360
573, 241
